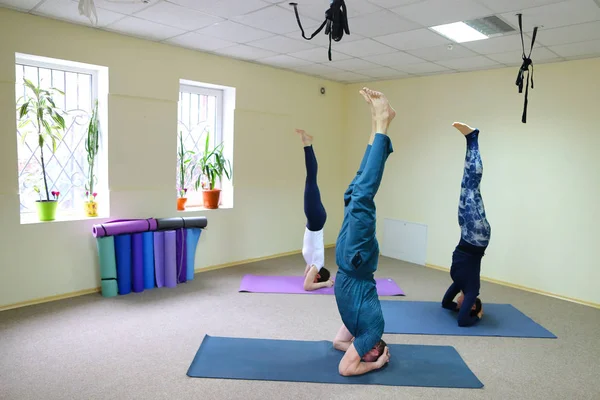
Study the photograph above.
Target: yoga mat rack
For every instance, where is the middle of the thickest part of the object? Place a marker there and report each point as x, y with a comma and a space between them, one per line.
141, 254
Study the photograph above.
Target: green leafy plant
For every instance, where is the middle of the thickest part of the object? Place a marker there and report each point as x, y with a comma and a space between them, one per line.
39, 110
212, 165
184, 159
91, 147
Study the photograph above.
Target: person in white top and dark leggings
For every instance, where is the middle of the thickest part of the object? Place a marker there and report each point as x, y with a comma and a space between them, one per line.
316, 276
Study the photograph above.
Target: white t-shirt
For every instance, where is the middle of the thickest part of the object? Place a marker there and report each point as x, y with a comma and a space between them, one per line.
313, 248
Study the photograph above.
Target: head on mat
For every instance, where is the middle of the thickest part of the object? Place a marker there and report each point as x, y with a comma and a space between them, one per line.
375, 352
323, 275
475, 309
316, 278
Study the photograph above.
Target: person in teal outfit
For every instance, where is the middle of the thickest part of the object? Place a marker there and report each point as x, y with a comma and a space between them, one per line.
357, 253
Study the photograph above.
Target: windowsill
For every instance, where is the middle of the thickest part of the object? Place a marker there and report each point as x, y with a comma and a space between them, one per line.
226, 205
32, 218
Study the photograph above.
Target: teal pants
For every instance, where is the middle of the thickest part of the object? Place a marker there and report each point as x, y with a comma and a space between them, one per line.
357, 250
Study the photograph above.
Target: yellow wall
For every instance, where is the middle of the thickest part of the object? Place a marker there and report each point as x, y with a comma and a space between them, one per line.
541, 181
39, 260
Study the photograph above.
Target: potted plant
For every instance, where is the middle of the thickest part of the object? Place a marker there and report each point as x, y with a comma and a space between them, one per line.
184, 158
39, 110
212, 165
91, 147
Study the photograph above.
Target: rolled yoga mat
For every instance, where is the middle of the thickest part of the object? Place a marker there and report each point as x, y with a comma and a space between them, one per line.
123, 258
170, 259
108, 266
295, 285
167, 224
429, 318
148, 243
159, 258
181, 256
137, 272
193, 235
307, 361
120, 227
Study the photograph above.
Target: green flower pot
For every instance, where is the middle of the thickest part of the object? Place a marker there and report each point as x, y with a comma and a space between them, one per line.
46, 209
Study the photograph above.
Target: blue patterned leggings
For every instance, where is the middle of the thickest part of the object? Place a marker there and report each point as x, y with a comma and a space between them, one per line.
475, 228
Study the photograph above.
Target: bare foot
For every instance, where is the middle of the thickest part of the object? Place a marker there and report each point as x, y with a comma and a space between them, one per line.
463, 128
364, 94
306, 138
373, 124
383, 111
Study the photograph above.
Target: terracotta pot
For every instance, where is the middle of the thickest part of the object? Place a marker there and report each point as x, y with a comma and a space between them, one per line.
211, 198
91, 209
181, 203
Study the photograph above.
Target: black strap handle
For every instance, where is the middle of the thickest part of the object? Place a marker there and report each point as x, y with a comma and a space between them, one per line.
525, 67
335, 24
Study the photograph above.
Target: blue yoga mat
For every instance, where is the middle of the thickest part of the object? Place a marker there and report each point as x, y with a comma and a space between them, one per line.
429, 318
137, 274
123, 253
193, 235
148, 245
306, 361
181, 254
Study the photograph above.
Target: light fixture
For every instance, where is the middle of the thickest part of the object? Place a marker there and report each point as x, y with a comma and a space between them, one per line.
459, 32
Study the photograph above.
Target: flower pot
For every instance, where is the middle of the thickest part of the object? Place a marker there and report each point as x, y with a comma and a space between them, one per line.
181, 203
46, 209
91, 209
211, 198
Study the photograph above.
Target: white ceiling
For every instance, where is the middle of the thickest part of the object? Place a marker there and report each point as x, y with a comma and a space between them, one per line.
388, 38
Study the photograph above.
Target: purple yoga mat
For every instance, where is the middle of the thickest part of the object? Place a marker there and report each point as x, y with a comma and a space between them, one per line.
137, 262
121, 226
294, 284
170, 259
181, 256
159, 258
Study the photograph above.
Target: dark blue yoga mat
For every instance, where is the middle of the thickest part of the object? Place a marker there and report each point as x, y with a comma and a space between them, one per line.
123, 253
137, 247
308, 361
181, 254
429, 318
148, 243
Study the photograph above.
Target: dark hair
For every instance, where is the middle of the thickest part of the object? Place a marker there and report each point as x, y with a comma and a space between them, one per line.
477, 309
324, 275
380, 347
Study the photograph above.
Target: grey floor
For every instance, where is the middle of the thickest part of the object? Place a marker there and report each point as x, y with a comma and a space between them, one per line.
140, 346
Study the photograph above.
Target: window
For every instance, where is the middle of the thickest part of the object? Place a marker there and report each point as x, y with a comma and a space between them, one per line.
67, 166
203, 114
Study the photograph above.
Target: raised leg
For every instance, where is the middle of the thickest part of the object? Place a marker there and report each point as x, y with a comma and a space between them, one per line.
313, 206
475, 228
361, 219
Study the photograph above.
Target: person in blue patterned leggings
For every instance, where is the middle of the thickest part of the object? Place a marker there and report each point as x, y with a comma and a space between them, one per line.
475, 237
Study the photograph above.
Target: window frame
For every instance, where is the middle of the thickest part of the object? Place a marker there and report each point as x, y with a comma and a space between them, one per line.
66, 66
195, 200
205, 91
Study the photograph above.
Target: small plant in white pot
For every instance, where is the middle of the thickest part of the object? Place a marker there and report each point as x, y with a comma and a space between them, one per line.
39, 114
